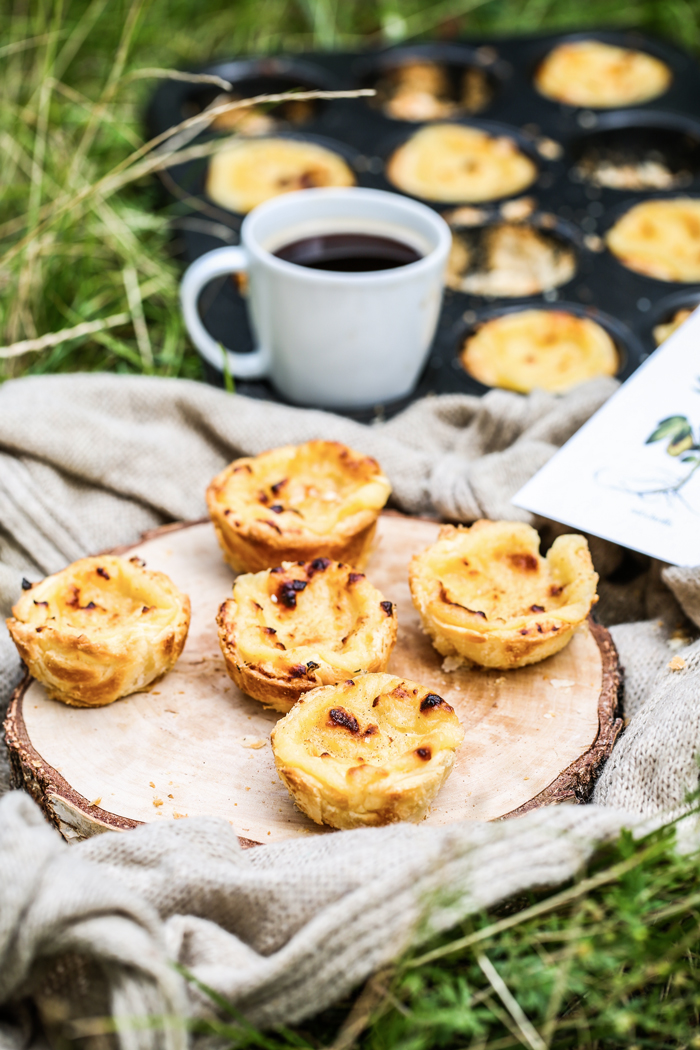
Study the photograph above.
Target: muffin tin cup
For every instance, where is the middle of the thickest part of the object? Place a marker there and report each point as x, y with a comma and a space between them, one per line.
190, 178
456, 59
366, 137
495, 129
629, 349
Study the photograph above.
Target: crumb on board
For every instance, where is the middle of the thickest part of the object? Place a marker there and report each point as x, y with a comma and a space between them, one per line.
157, 802
178, 816
96, 801
151, 784
452, 663
253, 742
171, 796
676, 664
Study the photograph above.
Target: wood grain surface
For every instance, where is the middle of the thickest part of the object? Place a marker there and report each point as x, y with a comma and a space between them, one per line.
534, 736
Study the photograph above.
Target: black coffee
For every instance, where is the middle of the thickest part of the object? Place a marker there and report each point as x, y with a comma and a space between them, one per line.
348, 252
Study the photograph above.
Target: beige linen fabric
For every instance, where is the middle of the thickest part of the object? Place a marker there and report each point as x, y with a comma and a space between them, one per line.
88, 462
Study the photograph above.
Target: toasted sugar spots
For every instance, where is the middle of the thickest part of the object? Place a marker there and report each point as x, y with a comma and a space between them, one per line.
323, 483
389, 769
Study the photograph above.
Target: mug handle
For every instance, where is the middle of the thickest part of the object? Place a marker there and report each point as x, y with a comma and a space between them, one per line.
217, 263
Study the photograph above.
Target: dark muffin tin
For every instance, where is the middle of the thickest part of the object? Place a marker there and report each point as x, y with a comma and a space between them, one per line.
563, 140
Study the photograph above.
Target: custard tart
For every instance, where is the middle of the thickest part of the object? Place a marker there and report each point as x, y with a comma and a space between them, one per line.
546, 349
369, 751
508, 259
290, 629
602, 76
100, 629
660, 238
485, 593
247, 172
417, 91
297, 503
454, 163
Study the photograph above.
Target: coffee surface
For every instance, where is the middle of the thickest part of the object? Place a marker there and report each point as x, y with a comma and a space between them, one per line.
348, 253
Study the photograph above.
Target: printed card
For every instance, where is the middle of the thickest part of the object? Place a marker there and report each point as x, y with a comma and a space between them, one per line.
631, 474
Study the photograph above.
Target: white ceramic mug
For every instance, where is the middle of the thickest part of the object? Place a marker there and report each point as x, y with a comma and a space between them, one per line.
334, 339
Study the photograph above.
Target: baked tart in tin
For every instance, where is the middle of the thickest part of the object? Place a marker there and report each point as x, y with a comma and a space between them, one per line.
601, 76
660, 238
416, 91
369, 751
486, 594
248, 171
508, 259
288, 630
546, 349
297, 503
100, 629
455, 163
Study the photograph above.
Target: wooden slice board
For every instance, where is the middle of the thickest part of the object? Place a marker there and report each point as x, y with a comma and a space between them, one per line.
534, 736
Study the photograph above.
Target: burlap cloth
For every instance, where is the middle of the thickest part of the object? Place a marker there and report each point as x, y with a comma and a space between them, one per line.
88, 462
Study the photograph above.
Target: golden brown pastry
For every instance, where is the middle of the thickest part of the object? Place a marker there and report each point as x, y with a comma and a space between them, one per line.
247, 172
297, 503
454, 163
369, 751
417, 91
486, 594
590, 73
545, 349
663, 331
660, 238
290, 629
255, 120
100, 629
508, 260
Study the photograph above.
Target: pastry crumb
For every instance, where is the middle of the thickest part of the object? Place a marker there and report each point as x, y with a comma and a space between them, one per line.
452, 663
96, 801
151, 784
178, 816
676, 664
157, 802
253, 742
171, 796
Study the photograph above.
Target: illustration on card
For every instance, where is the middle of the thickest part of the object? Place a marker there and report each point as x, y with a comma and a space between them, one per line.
665, 474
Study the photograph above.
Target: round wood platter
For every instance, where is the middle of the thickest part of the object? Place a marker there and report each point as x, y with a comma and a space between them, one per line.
534, 736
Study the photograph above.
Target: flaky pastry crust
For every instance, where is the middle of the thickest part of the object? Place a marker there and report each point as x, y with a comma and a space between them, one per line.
297, 503
591, 73
457, 164
100, 629
369, 751
546, 349
659, 238
288, 630
247, 172
484, 593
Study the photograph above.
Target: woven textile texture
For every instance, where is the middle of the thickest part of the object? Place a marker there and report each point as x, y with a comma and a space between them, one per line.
89, 462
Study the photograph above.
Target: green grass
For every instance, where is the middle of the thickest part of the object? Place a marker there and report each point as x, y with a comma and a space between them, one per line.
74, 249
609, 961
612, 965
